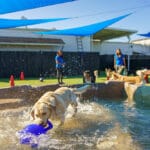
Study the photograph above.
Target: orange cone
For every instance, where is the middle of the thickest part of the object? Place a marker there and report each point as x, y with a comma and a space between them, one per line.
12, 83
22, 75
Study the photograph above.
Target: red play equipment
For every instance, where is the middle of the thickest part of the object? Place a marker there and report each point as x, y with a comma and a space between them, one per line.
11, 81
22, 75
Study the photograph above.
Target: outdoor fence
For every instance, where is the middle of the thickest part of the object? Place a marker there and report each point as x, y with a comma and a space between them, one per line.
136, 62
35, 63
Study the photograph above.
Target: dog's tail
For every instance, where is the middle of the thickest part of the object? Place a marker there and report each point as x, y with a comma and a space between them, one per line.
81, 89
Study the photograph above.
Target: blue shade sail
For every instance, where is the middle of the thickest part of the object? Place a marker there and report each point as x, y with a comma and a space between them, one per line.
86, 30
12, 23
146, 35
8, 6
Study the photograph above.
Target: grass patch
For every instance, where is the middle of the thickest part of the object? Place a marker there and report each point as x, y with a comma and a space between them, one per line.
35, 81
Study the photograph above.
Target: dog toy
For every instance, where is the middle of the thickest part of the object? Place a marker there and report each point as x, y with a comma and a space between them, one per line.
29, 135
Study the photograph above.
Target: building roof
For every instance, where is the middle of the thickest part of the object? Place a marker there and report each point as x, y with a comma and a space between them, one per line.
145, 41
105, 34
30, 41
110, 33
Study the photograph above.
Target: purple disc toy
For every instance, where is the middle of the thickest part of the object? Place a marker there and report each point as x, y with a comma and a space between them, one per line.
31, 132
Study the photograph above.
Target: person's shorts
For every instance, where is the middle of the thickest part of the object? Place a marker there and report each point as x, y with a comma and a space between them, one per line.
59, 72
119, 69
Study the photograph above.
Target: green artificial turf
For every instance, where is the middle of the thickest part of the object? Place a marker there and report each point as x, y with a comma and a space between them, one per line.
51, 80
35, 81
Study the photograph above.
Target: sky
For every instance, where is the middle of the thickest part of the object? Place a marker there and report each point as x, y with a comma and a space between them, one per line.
84, 12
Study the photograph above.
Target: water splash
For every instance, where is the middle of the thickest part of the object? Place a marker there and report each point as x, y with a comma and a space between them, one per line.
96, 126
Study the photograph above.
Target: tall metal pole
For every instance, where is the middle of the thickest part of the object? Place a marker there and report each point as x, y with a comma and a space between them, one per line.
129, 54
128, 62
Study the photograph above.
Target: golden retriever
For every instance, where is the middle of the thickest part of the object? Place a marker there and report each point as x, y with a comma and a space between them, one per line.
53, 105
111, 75
130, 79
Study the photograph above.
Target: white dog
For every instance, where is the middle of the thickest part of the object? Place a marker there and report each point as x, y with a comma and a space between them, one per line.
53, 105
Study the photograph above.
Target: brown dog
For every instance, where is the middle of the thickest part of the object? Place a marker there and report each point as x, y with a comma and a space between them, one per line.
53, 105
130, 79
111, 75
108, 73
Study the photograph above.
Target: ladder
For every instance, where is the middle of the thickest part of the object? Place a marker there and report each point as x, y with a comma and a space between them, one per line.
79, 44
80, 49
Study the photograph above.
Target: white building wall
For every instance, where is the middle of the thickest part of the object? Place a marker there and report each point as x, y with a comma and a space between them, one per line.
141, 49
18, 33
70, 41
88, 46
145, 42
28, 49
108, 48
87, 43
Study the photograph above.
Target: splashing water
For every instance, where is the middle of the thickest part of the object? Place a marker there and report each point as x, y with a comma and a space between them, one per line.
104, 125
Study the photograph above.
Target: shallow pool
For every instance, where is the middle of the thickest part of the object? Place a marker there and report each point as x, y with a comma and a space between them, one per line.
103, 125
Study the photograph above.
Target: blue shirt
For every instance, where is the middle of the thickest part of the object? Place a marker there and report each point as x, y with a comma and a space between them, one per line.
60, 61
119, 60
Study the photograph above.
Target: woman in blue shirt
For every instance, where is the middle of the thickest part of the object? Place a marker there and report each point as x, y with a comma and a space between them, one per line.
119, 61
59, 66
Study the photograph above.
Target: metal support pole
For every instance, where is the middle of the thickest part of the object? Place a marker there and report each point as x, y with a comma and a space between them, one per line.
91, 43
128, 62
130, 47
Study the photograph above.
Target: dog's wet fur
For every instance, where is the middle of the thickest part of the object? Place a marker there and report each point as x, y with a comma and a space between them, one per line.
53, 105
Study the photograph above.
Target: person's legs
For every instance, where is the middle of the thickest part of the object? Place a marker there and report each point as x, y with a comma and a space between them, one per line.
116, 68
121, 69
58, 75
61, 76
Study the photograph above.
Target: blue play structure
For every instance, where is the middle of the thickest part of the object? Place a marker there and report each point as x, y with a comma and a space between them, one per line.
29, 135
